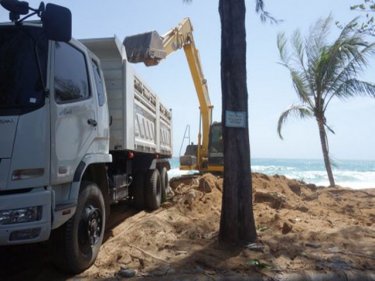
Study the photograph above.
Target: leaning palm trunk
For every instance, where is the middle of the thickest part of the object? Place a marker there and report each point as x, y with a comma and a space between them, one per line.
324, 143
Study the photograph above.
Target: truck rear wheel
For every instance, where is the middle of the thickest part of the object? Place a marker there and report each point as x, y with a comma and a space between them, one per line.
78, 242
164, 184
153, 190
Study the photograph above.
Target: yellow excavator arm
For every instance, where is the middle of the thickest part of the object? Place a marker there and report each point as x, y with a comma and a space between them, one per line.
150, 48
182, 37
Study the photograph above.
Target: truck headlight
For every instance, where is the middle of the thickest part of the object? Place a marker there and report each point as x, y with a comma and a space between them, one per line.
21, 215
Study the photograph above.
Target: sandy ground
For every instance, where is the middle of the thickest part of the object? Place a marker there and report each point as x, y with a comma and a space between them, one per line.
301, 228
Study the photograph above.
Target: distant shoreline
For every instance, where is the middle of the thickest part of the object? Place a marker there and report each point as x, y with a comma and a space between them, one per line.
355, 174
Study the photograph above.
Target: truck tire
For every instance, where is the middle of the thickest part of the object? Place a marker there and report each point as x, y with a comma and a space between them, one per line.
153, 190
137, 193
78, 241
164, 184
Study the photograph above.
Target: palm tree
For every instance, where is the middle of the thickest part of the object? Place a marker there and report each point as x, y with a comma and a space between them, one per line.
237, 222
321, 72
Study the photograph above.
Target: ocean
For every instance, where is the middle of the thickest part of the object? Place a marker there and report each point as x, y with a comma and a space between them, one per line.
348, 173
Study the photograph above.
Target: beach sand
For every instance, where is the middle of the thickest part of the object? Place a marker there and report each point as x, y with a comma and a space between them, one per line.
301, 228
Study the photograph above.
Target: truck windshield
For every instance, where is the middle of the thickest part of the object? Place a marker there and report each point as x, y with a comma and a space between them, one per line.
23, 63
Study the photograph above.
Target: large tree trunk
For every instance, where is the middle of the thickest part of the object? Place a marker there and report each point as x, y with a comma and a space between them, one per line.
237, 223
324, 143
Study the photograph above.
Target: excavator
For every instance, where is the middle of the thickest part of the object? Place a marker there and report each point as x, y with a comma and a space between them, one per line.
150, 48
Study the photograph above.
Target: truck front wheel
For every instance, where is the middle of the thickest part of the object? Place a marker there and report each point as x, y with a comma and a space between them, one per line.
81, 237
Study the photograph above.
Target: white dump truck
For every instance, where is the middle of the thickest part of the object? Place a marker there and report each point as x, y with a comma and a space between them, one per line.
79, 131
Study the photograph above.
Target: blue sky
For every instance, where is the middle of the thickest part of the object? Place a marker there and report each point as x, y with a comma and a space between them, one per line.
269, 85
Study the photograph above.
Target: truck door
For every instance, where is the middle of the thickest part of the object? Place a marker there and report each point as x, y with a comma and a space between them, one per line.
102, 108
73, 111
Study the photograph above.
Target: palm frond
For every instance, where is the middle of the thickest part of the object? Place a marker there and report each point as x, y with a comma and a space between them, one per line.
300, 59
320, 32
300, 111
348, 56
281, 46
295, 66
317, 39
301, 86
329, 129
316, 46
354, 87
264, 15
356, 59
298, 47
259, 5
350, 28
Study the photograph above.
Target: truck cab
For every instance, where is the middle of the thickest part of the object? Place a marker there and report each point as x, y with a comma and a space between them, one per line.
75, 136
52, 96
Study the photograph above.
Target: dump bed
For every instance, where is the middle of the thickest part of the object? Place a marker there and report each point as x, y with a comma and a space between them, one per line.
139, 121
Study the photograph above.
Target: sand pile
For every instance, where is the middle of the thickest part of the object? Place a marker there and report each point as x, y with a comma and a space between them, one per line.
300, 227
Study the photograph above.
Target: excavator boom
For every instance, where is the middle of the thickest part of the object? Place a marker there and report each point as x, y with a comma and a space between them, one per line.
150, 48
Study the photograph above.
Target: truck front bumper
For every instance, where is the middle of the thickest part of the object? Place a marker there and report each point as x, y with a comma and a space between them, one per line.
25, 217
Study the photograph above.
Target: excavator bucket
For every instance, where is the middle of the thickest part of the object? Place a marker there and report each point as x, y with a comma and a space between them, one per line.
145, 47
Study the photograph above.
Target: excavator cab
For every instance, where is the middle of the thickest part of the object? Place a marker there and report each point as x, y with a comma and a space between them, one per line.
215, 161
216, 148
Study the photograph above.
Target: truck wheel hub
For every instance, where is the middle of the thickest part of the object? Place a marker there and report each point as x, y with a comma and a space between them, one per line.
94, 224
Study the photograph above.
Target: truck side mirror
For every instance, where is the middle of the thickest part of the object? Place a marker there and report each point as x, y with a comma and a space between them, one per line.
57, 23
